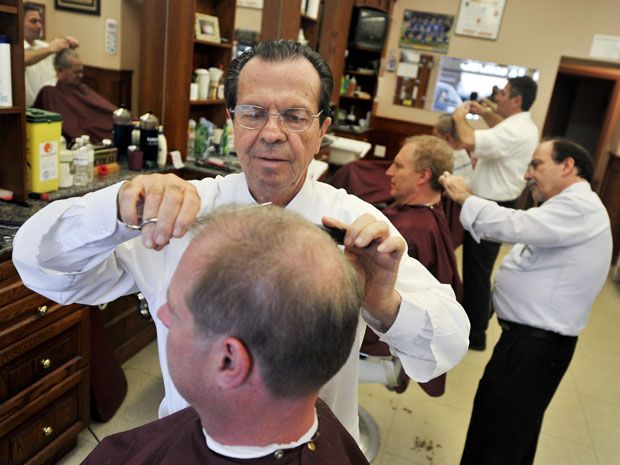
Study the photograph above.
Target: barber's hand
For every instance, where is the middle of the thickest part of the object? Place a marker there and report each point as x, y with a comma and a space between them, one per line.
73, 42
461, 110
173, 201
376, 255
455, 187
488, 103
476, 108
57, 45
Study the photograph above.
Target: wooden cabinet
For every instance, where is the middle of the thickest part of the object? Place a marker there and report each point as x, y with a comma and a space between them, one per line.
12, 119
283, 20
44, 373
169, 62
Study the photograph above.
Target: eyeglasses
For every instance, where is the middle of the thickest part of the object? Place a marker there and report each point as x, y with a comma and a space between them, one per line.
531, 166
291, 119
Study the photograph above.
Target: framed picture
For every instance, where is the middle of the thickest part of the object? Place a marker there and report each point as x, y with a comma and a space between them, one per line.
480, 19
41, 9
88, 7
207, 28
426, 31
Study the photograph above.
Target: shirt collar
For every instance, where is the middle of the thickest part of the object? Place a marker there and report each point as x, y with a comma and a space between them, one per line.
252, 452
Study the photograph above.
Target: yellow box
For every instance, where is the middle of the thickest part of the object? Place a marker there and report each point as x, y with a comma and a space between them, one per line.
43, 130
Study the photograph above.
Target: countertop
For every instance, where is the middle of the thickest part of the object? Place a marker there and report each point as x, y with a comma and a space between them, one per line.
13, 215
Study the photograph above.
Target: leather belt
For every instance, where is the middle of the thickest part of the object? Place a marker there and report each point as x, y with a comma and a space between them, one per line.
518, 328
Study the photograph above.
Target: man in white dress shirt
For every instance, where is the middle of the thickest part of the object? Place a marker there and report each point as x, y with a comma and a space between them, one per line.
502, 153
278, 95
38, 55
543, 295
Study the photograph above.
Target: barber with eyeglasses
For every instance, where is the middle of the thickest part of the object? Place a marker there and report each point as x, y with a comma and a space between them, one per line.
278, 95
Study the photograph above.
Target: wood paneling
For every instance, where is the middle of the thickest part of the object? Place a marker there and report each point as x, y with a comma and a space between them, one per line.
610, 195
391, 133
115, 85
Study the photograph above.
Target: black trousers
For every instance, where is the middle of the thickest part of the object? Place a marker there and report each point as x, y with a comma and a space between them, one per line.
478, 261
517, 386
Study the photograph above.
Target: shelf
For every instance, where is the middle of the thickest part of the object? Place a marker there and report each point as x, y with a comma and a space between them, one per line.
196, 103
361, 72
364, 49
8, 9
310, 19
353, 97
10, 110
213, 44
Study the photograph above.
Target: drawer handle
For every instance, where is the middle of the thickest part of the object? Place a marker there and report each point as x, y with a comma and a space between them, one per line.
46, 363
48, 430
42, 310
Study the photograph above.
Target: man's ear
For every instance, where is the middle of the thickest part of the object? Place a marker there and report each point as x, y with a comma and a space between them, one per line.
568, 165
425, 175
234, 363
518, 99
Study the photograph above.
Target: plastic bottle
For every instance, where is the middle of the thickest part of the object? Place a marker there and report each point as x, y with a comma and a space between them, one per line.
223, 148
352, 86
191, 139
230, 136
80, 163
90, 153
6, 94
162, 148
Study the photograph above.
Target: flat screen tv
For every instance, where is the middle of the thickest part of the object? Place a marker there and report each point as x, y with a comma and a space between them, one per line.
370, 29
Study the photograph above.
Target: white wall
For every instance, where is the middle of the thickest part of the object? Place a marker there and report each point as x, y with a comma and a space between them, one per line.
533, 33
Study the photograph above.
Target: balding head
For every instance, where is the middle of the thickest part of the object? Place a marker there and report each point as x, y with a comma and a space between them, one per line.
282, 287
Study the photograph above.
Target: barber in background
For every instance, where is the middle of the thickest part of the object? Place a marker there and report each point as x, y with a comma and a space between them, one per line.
38, 54
252, 384
543, 294
502, 154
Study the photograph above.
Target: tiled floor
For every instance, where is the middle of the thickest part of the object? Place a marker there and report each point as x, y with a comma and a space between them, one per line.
582, 425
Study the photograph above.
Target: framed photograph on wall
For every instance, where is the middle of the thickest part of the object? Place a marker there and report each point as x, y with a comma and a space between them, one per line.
480, 19
207, 28
426, 31
88, 7
41, 9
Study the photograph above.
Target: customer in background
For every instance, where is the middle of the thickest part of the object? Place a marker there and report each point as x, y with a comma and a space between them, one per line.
417, 213
252, 385
38, 55
278, 95
502, 153
543, 294
83, 110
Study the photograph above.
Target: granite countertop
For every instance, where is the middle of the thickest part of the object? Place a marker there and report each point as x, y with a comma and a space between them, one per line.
13, 215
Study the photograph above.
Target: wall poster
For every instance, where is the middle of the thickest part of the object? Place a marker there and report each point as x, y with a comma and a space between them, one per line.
480, 18
426, 31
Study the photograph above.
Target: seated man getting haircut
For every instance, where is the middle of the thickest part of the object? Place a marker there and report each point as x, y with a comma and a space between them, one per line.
83, 110
261, 312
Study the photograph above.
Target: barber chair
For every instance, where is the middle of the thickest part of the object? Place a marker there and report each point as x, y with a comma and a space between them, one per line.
378, 365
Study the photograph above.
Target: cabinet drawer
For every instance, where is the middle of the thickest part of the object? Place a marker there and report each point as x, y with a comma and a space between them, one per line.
13, 291
35, 436
35, 356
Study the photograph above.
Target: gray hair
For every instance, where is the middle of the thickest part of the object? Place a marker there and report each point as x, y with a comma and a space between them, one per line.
61, 59
445, 126
275, 51
280, 285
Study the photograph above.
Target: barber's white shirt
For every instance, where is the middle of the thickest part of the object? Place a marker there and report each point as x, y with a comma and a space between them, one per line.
559, 264
503, 153
39, 74
462, 165
75, 250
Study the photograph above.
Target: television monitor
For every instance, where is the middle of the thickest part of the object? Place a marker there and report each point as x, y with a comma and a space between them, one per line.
370, 29
463, 79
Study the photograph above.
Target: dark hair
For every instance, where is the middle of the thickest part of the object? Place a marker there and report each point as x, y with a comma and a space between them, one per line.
31, 7
526, 87
281, 286
277, 51
564, 148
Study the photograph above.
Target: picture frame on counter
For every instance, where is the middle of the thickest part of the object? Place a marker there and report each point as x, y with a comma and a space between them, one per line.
87, 7
207, 28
